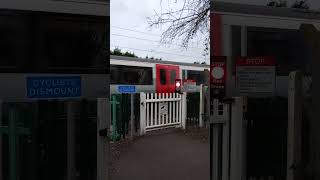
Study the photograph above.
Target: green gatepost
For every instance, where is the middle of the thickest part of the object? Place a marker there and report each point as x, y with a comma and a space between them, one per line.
125, 113
13, 132
114, 103
193, 108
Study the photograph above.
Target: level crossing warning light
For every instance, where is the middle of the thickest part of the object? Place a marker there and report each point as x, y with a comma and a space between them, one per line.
178, 85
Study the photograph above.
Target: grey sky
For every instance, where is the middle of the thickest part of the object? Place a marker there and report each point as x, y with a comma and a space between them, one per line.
132, 16
129, 30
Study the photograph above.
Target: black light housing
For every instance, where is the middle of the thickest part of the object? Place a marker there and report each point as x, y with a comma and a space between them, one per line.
178, 85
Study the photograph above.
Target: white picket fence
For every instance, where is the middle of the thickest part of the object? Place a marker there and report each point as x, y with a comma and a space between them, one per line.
162, 110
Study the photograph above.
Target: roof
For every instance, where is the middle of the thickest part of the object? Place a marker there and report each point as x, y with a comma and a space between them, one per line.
156, 61
264, 10
79, 7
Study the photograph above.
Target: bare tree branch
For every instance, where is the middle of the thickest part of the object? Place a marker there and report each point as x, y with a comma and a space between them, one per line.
184, 23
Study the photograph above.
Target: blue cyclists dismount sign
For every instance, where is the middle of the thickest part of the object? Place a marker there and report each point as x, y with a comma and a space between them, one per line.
53, 87
126, 89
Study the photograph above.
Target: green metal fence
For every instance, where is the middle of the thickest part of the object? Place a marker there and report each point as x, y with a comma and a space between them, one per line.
193, 109
121, 114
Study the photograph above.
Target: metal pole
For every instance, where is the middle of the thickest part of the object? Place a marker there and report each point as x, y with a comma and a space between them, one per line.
294, 125
12, 144
211, 151
102, 143
71, 140
201, 107
215, 128
244, 45
1, 173
208, 104
35, 141
142, 113
227, 51
236, 154
244, 141
184, 110
132, 116
114, 118
225, 142
244, 40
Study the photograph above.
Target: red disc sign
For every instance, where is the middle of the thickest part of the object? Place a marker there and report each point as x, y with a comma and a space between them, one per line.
218, 70
218, 75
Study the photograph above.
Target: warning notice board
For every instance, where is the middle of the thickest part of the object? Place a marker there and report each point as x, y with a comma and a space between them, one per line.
255, 75
163, 108
189, 85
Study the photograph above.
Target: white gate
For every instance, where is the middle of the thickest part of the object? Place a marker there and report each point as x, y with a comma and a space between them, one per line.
162, 110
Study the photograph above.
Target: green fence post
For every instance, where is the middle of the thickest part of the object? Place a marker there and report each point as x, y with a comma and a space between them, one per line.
114, 118
125, 113
120, 114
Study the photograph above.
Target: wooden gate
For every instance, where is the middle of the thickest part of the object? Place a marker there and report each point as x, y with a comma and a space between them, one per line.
162, 110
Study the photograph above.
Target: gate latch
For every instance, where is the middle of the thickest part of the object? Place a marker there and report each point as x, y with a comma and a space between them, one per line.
215, 120
103, 132
293, 166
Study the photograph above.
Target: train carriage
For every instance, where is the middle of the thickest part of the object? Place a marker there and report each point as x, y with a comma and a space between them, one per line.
149, 75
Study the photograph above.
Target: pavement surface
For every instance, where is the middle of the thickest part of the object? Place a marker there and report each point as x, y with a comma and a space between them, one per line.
164, 155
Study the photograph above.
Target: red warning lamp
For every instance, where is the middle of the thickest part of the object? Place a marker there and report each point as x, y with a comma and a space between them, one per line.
178, 85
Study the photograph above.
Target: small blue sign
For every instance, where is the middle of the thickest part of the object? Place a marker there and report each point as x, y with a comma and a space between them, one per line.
126, 89
53, 87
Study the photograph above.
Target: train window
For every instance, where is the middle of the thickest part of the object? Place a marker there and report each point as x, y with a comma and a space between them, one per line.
131, 75
14, 50
114, 76
163, 77
74, 43
198, 76
7, 53
41, 42
184, 74
173, 76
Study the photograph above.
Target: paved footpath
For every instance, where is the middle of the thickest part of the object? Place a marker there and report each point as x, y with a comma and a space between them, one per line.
168, 155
